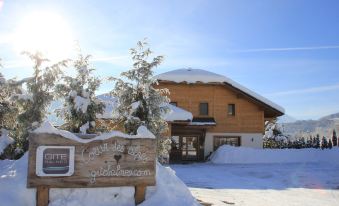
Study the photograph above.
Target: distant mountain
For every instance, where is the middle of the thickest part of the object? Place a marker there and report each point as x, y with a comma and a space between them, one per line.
286, 119
330, 117
322, 126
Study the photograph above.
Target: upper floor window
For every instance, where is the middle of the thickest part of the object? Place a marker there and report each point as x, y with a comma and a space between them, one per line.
231, 110
203, 108
174, 103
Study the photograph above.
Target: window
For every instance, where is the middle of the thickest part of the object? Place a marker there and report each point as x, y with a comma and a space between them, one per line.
203, 108
231, 110
229, 140
174, 103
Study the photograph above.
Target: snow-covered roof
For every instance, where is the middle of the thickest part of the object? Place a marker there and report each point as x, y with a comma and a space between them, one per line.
177, 114
190, 75
174, 114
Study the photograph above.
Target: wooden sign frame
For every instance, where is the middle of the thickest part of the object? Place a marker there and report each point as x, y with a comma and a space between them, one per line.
109, 162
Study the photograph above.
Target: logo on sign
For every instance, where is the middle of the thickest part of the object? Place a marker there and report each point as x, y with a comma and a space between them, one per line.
55, 161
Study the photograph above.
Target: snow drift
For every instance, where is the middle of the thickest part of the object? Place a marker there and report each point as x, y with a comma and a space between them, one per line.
242, 155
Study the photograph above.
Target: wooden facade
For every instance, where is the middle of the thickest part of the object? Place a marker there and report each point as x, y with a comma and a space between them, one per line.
249, 117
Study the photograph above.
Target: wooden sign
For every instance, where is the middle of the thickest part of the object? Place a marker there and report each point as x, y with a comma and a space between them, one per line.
56, 161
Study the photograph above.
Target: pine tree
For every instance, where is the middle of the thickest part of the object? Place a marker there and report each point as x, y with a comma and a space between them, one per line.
34, 101
309, 142
80, 105
317, 142
324, 143
334, 139
330, 144
139, 103
9, 111
273, 137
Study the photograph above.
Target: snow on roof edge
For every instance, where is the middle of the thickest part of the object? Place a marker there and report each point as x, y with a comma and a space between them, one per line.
190, 75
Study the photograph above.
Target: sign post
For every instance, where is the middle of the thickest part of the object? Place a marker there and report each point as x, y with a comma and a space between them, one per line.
58, 162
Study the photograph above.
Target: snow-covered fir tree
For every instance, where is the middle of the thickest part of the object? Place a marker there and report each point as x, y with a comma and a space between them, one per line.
8, 110
8, 114
324, 143
139, 103
34, 99
317, 142
273, 137
330, 144
334, 139
80, 104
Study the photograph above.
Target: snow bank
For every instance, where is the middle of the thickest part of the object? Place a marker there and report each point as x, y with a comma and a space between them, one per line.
198, 75
5, 140
47, 127
168, 191
242, 155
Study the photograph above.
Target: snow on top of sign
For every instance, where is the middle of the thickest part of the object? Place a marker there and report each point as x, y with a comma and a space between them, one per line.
111, 103
5, 140
189, 75
47, 127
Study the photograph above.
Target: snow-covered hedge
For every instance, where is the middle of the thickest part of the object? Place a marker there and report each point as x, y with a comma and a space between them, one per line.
242, 155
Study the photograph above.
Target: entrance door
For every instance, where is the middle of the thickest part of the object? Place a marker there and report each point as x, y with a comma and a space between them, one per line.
189, 148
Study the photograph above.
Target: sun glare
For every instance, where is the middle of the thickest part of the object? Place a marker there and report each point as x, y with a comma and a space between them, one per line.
46, 32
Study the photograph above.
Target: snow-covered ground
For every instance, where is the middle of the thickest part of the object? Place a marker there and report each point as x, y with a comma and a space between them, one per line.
169, 189
13, 192
260, 184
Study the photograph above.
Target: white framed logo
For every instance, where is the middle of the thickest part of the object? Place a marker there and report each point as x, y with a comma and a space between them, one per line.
55, 161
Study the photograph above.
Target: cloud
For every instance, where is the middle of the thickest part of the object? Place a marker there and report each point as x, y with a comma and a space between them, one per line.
285, 49
306, 91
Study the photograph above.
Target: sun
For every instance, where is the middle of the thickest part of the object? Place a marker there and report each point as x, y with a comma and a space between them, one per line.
46, 32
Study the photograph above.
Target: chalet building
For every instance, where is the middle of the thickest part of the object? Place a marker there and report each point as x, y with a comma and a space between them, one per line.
212, 110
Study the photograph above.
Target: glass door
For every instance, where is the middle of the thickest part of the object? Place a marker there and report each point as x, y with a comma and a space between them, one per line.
189, 148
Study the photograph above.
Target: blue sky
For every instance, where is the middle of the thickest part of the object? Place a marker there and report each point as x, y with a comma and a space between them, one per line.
285, 50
